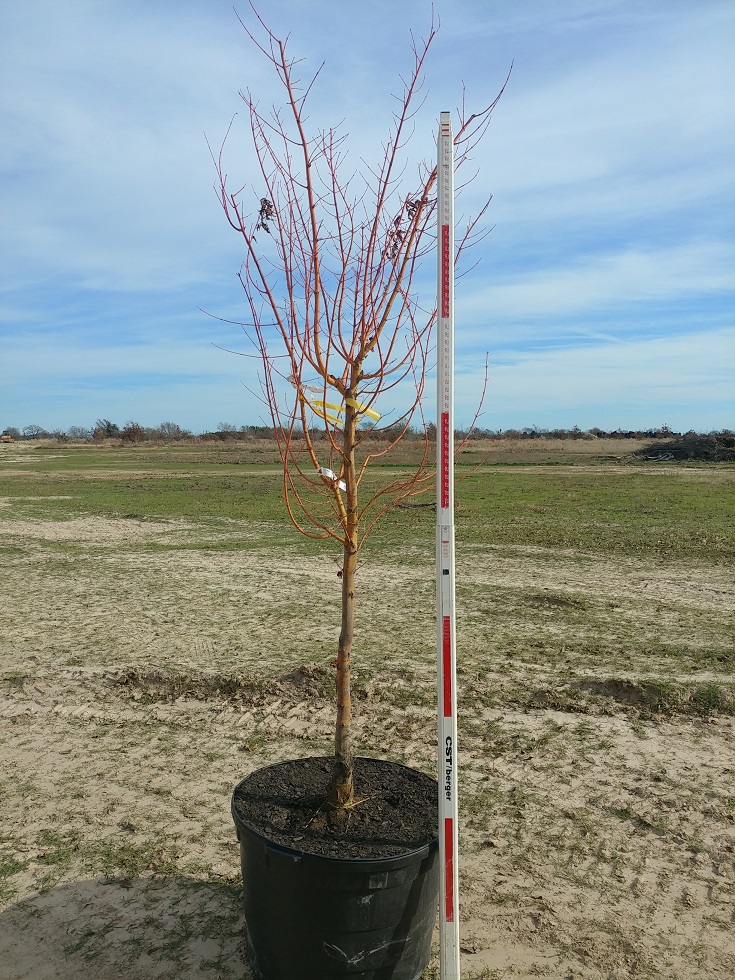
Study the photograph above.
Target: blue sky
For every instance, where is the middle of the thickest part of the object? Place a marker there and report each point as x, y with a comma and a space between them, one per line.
603, 294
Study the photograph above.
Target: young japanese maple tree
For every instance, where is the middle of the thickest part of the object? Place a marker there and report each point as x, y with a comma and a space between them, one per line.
335, 317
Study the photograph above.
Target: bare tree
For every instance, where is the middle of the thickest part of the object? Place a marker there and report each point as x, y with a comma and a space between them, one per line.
330, 282
78, 433
171, 431
105, 429
133, 432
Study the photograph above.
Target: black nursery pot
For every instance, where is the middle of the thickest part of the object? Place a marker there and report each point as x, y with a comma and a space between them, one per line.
315, 917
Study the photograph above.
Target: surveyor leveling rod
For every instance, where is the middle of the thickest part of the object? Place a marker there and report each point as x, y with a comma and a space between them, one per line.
445, 625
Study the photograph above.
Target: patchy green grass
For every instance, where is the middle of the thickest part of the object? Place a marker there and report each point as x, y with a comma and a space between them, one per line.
647, 511
9, 867
644, 512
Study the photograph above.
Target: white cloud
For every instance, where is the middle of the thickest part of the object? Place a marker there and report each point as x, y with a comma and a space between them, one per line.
623, 122
685, 381
603, 283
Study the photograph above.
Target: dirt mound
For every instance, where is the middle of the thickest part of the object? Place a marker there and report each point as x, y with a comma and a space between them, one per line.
657, 697
308, 681
714, 448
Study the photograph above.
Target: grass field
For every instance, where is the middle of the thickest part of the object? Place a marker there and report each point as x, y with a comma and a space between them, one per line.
164, 631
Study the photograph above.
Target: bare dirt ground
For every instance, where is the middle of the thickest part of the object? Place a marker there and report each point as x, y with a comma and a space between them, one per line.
144, 669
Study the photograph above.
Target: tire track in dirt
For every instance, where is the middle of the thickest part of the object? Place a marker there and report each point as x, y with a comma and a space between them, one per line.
295, 720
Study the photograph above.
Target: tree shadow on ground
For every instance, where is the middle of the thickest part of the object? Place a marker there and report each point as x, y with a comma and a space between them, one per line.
137, 929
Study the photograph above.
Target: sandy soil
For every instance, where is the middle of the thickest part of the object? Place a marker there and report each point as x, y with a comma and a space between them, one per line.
145, 670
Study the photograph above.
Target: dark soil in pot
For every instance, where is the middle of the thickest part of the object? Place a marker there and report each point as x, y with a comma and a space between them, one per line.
286, 803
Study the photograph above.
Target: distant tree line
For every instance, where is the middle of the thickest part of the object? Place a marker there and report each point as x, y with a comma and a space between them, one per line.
103, 429
133, 433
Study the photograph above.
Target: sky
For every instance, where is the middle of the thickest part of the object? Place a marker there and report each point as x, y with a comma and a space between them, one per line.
602, 295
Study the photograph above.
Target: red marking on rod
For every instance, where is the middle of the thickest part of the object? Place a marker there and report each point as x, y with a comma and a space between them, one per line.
449, 869
445, 459
445, 271
447, 658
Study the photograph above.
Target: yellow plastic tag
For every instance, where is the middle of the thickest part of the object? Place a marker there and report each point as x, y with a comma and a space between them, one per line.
358, 406
336, 408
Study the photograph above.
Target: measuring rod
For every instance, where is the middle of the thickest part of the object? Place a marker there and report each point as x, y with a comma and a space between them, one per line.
445, 623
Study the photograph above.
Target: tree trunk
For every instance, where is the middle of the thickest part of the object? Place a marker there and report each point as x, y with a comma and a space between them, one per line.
341, 790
